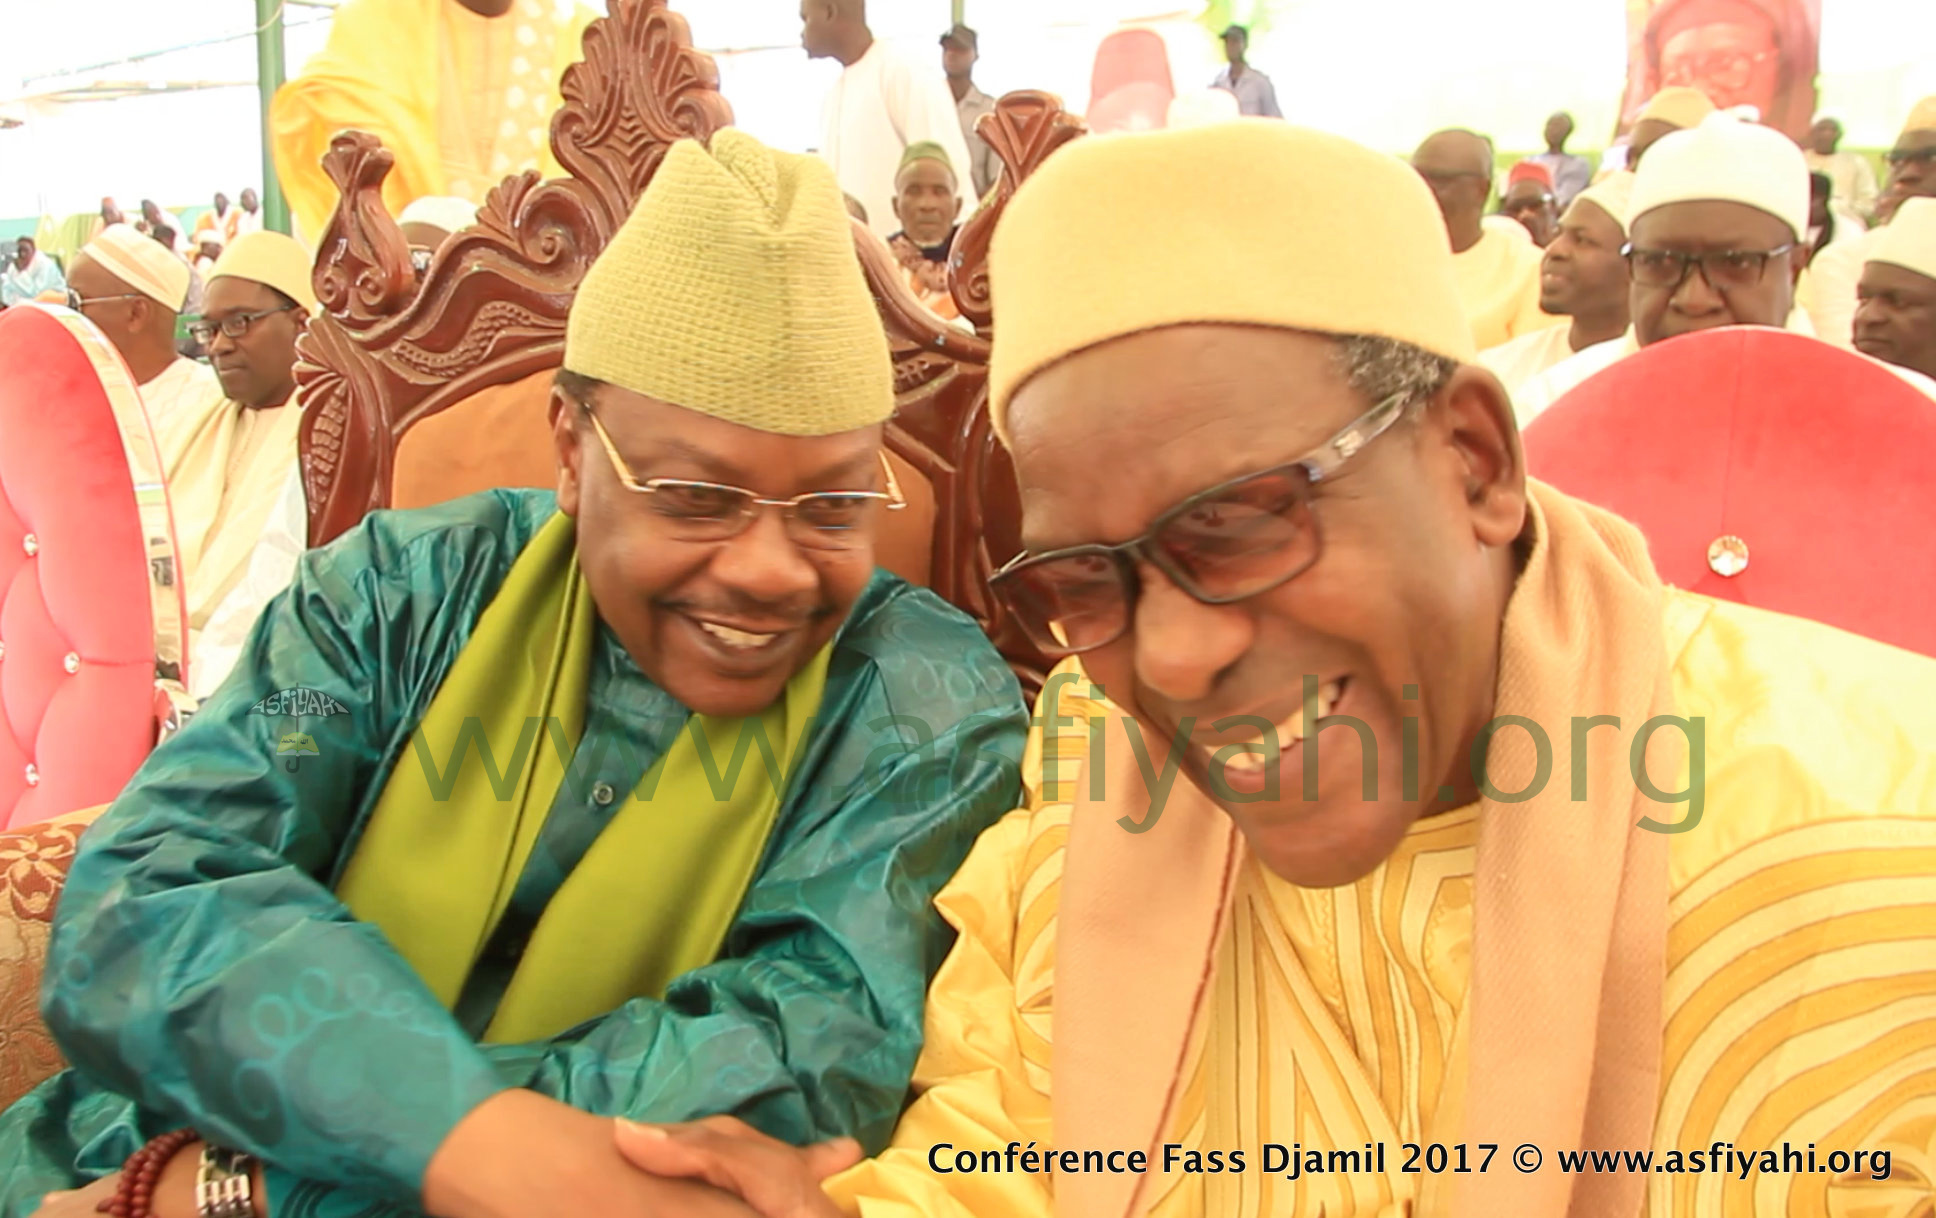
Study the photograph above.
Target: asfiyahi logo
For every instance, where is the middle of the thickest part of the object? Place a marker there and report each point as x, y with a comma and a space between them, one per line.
298, 704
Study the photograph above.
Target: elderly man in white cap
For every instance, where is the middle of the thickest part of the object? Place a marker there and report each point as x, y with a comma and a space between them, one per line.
1716, 228
1582, 275
133, 288
1895, 319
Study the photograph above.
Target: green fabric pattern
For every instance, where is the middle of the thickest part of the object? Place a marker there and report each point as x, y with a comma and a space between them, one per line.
438, 884
204, 972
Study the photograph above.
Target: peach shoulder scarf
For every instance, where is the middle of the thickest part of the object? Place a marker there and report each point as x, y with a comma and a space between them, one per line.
1569, 920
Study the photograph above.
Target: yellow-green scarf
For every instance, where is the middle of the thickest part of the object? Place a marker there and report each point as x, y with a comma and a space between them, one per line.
651, 899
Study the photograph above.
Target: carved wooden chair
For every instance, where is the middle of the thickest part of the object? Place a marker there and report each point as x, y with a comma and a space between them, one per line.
417, 393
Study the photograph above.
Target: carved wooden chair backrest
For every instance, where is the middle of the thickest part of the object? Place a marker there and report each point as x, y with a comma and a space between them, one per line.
465, 353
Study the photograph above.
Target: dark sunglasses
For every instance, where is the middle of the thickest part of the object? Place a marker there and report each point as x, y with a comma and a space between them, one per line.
1230, 542
1723, 269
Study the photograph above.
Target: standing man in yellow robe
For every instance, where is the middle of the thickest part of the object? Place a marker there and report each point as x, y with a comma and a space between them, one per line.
1586, 862
461, 91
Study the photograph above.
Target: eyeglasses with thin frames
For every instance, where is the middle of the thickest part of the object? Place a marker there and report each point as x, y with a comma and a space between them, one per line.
1236, 540
1899, 157
1723, 269
235, 325
712, 511
77, 302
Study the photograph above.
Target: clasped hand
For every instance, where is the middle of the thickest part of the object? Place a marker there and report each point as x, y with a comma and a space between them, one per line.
521, 1155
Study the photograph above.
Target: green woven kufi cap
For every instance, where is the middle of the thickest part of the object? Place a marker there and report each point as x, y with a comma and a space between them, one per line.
733, 290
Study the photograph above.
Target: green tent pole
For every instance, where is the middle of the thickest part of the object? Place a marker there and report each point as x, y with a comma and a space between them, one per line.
268, 78
960, 10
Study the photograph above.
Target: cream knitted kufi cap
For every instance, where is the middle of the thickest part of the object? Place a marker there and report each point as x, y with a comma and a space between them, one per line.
142, 263
733, 290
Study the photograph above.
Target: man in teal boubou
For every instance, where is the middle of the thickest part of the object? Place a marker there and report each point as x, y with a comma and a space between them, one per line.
517, 885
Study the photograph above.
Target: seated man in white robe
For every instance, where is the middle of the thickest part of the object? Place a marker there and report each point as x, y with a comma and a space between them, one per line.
1582, 275
228, 466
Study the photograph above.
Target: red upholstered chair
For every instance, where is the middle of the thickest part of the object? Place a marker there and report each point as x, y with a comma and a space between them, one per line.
90, 610
1765, 468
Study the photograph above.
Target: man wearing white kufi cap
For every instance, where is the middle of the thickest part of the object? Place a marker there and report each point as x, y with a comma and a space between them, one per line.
1830, 289
133, 288
1716, 226
1716, 223
1896, 319
739, 762
228, 465
1582, 276
1268, 503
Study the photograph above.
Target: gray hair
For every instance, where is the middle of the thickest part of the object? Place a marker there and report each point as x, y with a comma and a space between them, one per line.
1380, 368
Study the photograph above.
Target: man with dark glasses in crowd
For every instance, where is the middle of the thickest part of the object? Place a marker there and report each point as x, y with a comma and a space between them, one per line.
1387, 809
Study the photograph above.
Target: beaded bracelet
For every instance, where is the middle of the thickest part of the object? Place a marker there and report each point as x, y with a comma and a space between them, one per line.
138, 1175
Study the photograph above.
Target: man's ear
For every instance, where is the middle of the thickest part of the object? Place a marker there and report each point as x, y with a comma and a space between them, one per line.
1478, 423
564, 438
895, 203
957, 211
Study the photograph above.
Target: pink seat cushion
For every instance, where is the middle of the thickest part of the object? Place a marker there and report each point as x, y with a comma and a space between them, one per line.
1817, 459
74, 587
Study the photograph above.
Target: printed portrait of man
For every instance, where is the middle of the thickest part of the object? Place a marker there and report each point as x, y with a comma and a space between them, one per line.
1760, 53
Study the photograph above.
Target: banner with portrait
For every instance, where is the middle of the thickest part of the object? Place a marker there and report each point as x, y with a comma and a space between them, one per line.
1760, 53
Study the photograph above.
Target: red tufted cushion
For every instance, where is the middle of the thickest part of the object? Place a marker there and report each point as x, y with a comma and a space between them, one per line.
1817, 459
75, 577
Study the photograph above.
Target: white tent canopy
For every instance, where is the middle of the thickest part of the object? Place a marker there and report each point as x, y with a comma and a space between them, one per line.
1382, 71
